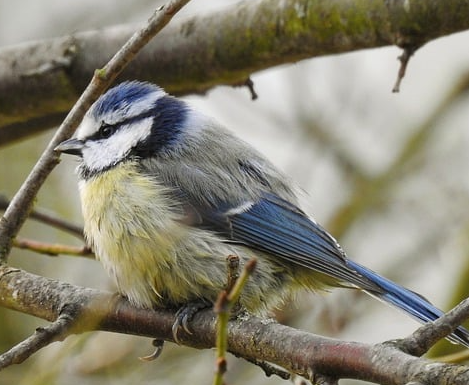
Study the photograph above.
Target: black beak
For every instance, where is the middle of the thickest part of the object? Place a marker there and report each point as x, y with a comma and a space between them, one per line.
71, 146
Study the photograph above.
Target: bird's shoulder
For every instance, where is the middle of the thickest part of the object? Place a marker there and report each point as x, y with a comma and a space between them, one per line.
213, 167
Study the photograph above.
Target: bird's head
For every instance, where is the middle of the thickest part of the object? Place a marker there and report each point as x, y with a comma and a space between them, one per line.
130, 121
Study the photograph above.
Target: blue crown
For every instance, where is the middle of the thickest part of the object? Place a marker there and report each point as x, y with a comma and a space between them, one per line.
122, 96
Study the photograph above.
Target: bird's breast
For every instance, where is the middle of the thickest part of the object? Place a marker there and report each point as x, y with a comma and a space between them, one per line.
132, 224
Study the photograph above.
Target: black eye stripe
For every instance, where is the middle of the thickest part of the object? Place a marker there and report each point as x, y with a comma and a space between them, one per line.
111, 129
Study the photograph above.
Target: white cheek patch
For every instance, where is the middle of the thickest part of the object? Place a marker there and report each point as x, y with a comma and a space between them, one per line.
100, 154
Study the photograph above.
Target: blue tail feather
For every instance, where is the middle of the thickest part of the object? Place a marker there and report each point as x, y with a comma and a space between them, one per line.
408, 301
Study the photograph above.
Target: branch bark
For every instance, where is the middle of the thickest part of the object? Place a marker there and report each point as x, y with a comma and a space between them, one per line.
40, 81
249, 337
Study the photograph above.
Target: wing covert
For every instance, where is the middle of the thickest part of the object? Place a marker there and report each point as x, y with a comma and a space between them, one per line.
277, 227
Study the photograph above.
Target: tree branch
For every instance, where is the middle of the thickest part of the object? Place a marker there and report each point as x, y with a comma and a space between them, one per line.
52, 249
429, 334
249, 337
40, 81
56, 331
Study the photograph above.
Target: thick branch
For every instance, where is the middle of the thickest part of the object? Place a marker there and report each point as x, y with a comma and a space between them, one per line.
39, 81
249, 337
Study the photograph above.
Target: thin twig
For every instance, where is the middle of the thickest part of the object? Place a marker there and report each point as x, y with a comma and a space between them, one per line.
235, 292
56, 331
226, 301
52, 249
249, 84
404, 59
48, 219
420, 341
233, 271
21, 204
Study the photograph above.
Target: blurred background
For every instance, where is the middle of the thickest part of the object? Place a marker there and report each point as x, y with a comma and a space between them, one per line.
385, 173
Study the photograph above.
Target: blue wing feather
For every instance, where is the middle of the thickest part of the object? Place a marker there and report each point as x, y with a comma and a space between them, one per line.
282, 230
279, 228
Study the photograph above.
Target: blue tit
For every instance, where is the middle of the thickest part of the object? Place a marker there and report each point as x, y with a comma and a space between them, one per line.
168, 193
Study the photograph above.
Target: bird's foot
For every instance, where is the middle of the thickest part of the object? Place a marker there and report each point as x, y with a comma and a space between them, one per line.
185, 314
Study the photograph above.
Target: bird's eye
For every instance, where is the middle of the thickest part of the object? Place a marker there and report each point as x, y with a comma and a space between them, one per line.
106, 130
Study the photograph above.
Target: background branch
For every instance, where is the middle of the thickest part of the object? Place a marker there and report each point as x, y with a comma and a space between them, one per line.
48, 219
40, 81
371, 191
52, 249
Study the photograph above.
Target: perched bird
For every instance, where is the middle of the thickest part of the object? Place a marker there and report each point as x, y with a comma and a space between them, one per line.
167, 194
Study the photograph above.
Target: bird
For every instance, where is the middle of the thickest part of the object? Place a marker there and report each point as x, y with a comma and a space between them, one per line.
167, 193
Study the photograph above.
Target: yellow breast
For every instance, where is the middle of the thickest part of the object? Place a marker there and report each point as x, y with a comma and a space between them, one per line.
130, 224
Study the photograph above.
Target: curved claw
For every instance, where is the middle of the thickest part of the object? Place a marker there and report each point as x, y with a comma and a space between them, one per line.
184, 315
185, 322
158, 344
175, 329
